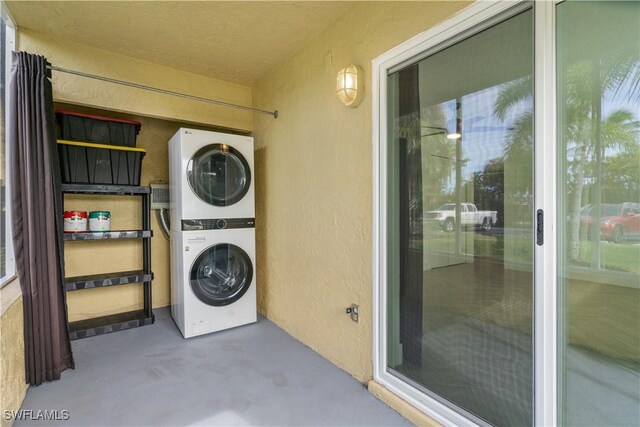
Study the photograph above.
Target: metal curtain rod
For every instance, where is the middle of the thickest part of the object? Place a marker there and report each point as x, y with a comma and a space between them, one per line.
164, 91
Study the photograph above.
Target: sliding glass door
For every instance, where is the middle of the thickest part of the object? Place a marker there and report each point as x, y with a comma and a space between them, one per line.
598, 80
460, 157
508, 260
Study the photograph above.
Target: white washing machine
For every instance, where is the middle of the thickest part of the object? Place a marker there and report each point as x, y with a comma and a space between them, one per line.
211, 176
213, 279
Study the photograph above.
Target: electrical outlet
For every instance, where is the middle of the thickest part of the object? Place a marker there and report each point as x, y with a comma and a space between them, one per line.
353, 310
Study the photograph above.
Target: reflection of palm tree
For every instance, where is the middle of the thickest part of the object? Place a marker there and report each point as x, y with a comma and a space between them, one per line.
409, 127
585, 133
518, 150
438, 155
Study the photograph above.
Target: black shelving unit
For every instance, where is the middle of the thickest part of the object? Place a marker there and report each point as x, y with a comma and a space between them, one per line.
120, 321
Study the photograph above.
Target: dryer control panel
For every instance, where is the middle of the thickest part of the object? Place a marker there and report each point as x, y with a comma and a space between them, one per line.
217, 223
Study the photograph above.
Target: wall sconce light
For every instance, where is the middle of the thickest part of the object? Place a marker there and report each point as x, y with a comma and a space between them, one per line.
350, 85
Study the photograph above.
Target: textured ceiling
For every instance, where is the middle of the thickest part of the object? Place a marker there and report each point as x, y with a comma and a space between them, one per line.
235, 41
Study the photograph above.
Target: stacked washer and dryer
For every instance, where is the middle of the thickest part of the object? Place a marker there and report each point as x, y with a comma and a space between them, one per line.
213, 277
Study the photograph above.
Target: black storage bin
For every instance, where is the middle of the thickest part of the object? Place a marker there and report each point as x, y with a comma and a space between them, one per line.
91, 128
87, 163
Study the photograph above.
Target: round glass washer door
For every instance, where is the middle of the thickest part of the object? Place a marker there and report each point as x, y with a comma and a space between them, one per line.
219, 175
221, 274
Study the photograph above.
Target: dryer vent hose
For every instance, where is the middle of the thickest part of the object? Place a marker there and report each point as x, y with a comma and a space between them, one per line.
163, 219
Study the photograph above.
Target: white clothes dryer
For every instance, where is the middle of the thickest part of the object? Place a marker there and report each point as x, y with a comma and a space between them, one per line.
213, 279
211, 176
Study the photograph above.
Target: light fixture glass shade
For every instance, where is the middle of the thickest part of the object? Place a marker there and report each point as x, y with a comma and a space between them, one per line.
350, 85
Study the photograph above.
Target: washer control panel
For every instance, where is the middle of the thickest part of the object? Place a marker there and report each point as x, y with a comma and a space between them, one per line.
217, 224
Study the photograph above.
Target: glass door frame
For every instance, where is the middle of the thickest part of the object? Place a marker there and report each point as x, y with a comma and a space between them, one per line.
478, 15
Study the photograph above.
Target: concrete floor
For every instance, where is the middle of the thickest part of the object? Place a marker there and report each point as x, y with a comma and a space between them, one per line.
251, 375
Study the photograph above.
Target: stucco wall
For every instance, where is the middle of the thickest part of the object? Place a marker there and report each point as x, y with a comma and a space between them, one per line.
83, 91
12, 376
314, 183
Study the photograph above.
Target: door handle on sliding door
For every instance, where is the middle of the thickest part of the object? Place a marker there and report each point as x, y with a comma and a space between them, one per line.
540, 227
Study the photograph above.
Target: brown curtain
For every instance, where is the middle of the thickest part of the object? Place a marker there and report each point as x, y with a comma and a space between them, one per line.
36, 218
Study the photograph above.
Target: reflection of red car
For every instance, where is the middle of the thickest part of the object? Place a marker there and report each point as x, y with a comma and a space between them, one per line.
617, 222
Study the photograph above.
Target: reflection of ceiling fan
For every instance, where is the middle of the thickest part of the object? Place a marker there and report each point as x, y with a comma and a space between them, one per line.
442, 131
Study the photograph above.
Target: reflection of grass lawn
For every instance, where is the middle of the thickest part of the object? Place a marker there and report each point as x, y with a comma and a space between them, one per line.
518, 247
478, 244
614, 256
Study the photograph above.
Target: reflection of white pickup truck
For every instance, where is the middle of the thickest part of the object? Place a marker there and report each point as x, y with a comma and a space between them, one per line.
469, 215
